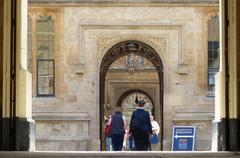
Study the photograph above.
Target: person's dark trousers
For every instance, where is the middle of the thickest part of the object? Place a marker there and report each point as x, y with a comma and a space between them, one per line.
117, 141
142, 142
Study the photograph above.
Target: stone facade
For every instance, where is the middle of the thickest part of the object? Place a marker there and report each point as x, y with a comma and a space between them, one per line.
70, 120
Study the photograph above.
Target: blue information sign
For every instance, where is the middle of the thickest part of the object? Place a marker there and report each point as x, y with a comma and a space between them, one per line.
183, 138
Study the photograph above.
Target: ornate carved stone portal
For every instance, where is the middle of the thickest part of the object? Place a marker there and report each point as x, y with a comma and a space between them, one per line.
133, 49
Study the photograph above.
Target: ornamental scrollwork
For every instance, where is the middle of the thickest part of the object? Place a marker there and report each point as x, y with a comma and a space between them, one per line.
159, 42
127, 47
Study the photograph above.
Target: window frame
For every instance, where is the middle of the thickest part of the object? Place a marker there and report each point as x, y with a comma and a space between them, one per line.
37, 81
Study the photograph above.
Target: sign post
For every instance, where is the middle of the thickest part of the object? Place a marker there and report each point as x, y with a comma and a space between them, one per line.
183, 138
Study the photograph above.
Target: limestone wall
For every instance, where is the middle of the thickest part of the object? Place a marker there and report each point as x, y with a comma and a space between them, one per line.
178, 34
62, 131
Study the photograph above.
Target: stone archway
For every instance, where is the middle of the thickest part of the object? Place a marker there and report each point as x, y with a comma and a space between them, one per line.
122, 49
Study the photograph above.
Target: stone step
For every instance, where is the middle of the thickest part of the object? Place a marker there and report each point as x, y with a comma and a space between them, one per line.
97, 154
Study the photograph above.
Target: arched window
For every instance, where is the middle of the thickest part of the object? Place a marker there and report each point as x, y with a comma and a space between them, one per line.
132, 63
29, 44
213, 52
45, 48
129, 103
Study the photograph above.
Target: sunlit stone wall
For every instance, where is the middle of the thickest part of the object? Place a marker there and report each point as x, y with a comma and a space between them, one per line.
177, 32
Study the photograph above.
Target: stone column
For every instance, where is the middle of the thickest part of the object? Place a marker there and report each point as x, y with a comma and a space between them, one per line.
18, 127
227, 110
234, 74
24, 124
219, 123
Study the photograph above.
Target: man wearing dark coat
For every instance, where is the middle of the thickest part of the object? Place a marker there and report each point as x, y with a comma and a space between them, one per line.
141, 137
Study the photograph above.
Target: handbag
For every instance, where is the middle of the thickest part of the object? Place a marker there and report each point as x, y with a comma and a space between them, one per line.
108, 129
154, 139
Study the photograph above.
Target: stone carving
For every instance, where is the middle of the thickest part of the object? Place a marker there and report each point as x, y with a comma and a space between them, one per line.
210, 13
104, 43
46, 15
158, 42
131, 46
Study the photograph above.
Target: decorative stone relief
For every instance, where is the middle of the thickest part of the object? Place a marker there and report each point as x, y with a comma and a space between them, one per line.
104, 43
209, 13
157, 42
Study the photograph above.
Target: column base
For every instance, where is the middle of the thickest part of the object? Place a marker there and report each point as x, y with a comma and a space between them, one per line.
222, 137
19, 138
228, 134
215, 134
234, 134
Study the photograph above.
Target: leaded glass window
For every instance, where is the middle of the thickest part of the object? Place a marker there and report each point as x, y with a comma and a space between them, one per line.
45, 55
45, 77
132, 63
213, 52
29, 44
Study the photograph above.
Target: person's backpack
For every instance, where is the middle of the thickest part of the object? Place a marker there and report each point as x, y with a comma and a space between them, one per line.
136, 124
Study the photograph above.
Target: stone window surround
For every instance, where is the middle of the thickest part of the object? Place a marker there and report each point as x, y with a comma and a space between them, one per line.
34, 14
209, 14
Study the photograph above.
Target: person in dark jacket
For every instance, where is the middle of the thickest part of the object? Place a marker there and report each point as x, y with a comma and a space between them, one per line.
118, 129
141, 139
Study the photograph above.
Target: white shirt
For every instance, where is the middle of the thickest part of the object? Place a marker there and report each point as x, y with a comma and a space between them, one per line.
155, 126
